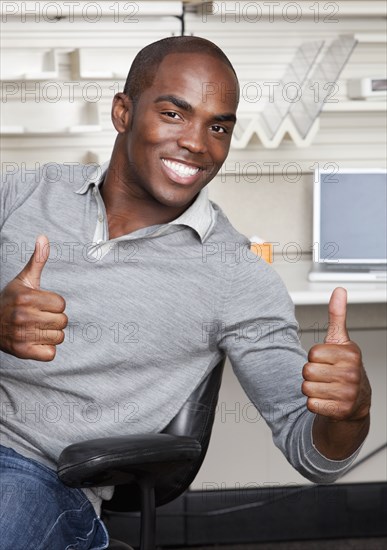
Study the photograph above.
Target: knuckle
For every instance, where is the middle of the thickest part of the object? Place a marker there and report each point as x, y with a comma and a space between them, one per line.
351, 352
29, 351
351, 355
61, 303
42, 353
18, 337
305, 387
314, 353
348, 409
306, 370
18, 317
352, 376
23, 298
49, 353
15, 334
65, 321
345, 410
19, 350
348, 396
332, 409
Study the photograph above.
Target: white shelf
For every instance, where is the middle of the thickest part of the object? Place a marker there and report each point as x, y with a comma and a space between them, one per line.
11, 130
133, 11
49, 119
303, 292
22, 131
374, 38
357, 105
101, 63
28, 64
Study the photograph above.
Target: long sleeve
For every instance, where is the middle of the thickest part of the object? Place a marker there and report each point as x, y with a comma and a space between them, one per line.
259, 334
16, 184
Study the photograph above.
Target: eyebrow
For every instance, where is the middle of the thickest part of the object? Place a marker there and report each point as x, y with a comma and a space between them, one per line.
227, 117
182, 104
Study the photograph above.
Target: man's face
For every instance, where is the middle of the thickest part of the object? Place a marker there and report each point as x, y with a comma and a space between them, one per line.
181, 128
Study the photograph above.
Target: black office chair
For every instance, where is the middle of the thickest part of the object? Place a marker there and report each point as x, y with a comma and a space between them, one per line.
148, 470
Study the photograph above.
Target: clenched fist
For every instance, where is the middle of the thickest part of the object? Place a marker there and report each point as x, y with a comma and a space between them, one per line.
32, 320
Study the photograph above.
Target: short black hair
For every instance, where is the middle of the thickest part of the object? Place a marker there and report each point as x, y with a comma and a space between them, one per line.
143, 68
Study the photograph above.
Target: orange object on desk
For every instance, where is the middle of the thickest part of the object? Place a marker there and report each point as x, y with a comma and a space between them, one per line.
263, 250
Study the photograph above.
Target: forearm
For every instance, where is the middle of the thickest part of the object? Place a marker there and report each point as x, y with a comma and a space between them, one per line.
337, 440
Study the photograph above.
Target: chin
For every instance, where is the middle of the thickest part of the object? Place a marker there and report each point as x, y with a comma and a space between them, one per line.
177, 199
178, 203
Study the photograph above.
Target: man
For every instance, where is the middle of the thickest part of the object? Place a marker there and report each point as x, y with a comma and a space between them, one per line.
138, 275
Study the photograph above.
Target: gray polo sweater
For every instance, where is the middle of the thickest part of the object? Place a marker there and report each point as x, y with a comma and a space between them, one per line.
150, 314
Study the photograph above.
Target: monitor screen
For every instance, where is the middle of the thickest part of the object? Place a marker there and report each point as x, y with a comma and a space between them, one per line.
352, 216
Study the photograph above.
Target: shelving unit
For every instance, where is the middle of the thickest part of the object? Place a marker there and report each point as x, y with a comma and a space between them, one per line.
28, 64
50, 119
89, 63
355, 106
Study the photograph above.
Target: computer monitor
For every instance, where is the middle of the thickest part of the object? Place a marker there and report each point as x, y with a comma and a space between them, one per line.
349, 216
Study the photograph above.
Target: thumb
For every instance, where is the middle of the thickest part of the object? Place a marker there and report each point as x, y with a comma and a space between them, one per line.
337, 313
30, 275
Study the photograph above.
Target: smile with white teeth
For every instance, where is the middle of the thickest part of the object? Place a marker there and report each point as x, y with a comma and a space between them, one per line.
180, 169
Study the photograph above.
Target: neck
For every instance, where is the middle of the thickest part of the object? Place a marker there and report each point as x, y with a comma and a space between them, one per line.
129, 207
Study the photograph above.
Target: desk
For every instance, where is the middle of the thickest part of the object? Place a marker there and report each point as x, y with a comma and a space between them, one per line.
305, 293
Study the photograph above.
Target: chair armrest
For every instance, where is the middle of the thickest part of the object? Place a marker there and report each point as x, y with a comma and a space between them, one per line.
118, 460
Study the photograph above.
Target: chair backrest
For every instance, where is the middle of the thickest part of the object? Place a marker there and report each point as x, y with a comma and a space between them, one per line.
195, 419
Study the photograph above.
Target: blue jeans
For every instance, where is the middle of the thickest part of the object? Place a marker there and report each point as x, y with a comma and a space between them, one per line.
38, 512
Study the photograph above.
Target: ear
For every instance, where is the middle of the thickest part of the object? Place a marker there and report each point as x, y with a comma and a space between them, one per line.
122, 112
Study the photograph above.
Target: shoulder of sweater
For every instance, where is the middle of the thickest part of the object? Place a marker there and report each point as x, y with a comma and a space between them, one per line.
233, 251
224, 230
69, 175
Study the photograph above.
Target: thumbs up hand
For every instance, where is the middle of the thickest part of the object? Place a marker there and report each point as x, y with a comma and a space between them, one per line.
32, 320
335, 381
337, 387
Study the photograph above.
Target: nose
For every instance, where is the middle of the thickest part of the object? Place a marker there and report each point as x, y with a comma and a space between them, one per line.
194, 139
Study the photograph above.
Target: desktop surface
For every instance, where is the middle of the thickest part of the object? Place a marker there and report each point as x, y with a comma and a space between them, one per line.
304, 292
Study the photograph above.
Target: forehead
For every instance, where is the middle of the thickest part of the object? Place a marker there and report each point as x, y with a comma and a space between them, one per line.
198, 78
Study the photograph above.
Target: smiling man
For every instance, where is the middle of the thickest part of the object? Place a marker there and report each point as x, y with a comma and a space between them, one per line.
174, 136
146, 287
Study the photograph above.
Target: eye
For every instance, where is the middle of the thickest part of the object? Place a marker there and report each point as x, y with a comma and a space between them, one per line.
171, 114
218, 129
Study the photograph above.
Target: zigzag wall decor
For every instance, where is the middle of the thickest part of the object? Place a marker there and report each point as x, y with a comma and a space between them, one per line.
315, 67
